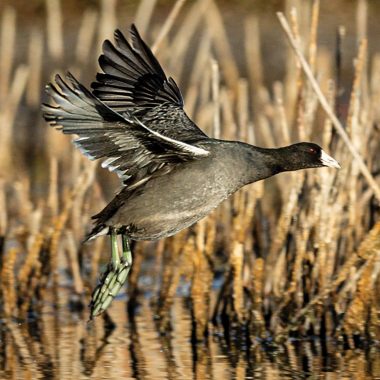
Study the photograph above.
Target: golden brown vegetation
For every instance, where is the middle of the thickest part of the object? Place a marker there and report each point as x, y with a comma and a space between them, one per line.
298, 255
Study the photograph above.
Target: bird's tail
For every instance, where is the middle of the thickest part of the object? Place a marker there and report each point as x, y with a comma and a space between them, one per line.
98, 230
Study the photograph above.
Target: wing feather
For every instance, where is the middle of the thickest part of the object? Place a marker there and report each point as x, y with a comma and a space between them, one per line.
130, 148
133, 82
132, 70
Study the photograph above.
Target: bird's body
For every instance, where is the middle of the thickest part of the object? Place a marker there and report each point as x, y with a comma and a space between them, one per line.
177, 200
172, 173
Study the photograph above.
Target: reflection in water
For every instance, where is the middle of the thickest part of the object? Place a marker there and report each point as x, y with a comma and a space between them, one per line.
60, 345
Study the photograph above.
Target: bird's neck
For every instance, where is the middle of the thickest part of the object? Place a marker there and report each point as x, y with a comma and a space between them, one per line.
264, 163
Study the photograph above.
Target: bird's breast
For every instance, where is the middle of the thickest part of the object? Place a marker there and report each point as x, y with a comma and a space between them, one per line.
176, 201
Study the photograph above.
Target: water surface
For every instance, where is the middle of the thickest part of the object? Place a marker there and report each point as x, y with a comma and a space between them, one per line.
60, 344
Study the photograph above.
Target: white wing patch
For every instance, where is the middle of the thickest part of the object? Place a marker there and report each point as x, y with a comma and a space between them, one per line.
198, 152
107, 163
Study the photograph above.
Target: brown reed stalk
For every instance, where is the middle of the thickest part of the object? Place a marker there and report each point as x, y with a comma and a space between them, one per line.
33, 93
313, 34
72, 251
86, 36
237, 262
34, 223
241, 224
290, 208
8, 283
292, 295
356, 93
8, 115
28, 266
53, 187
358, 310
327, 128
29, 287
293, 79
205, 93
362, 20
263, 125
54, 29
96, 252
354, 126
374, 317
3, 214
191, 100
227, 112
219, 35
202, 59
144, 15
77, 209
256, 316
253, 54
279, 102
200, 282
7, 52
243, 109
175, 249
200, 65
216, 98
107, 20
300, 255
181, 40
210, 238
21, 192
167, 25
53, 250
247, 211
357, 315
325, 230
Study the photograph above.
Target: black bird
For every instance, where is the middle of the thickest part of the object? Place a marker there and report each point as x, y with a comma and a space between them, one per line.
172, 173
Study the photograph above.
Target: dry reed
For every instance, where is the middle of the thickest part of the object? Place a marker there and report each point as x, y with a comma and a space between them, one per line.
297, 256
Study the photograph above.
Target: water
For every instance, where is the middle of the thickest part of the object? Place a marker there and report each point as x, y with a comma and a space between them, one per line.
60, 344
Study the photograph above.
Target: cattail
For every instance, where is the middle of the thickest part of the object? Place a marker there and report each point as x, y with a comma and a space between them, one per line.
8, 283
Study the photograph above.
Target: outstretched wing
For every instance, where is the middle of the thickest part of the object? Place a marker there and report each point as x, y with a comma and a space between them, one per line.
133, 150
134, 82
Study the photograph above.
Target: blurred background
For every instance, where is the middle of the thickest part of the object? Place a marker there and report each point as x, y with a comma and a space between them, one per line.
281, 281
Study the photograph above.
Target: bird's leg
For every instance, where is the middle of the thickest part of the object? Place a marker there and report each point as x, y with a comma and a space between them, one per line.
114, 249
126, 259
114, 277
127, 253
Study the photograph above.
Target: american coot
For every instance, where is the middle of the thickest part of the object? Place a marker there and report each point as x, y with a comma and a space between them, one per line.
172, 173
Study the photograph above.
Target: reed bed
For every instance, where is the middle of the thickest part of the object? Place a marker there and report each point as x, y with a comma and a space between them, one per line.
296, 256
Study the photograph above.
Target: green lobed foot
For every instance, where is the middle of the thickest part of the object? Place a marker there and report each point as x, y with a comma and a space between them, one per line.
113, 278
